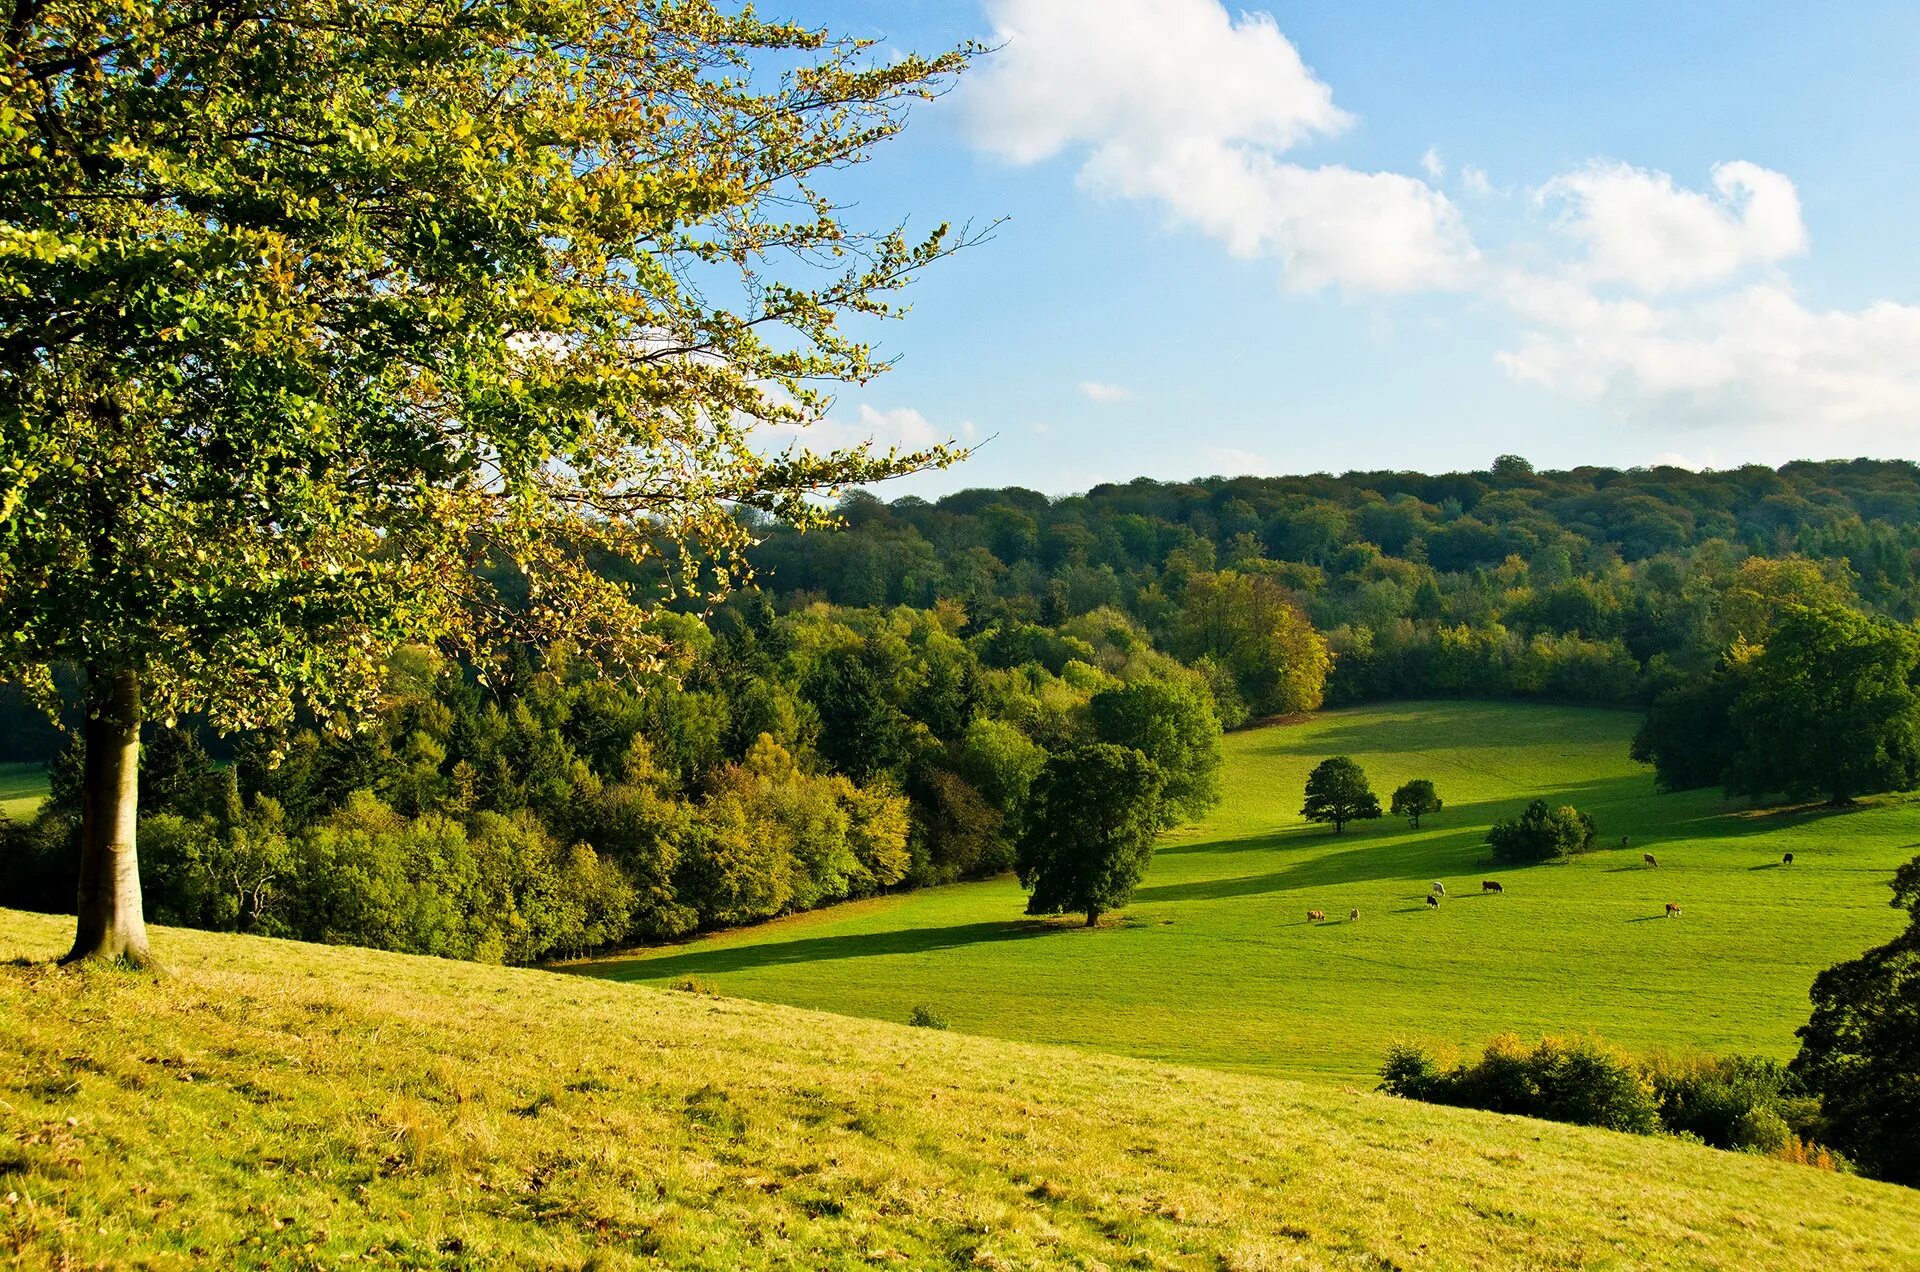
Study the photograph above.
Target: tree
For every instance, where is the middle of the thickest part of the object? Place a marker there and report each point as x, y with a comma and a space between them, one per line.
1172, 723
1337, 792
1415, 800
308, 316
1248, 623
1688, 733
1829, 708
1089, 830
1860, 1050
1541, 833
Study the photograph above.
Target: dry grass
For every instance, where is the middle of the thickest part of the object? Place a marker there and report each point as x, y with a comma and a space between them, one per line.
274, 1104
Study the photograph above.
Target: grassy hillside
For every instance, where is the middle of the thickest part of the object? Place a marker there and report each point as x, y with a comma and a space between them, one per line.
269, 1103
22, 787
1216, 964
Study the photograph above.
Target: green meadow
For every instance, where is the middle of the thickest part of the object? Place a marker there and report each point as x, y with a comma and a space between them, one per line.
1216, 963
271, 1104
22, 787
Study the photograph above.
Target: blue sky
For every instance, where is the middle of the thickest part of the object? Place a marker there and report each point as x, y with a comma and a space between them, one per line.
1323, 236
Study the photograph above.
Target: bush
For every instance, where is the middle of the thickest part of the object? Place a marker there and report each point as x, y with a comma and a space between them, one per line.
1736, 1102
923, 1017
1542, 834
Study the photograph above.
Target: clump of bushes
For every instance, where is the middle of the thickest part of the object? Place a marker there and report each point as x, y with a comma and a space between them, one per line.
924, 1017
1542, 833
1742, 1103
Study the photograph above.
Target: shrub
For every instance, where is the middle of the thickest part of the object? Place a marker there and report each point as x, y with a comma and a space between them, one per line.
923, 1017
1737, 1102
1541, 834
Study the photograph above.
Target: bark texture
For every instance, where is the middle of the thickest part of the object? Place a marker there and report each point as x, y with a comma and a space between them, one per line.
111, 919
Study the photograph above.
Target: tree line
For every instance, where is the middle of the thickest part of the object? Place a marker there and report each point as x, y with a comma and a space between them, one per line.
789, 761
1590, 585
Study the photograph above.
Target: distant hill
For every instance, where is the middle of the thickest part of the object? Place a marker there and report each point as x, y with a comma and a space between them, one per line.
274, 1104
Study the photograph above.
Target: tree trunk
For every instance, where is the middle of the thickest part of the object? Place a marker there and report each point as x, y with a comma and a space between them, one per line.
112, 922
1093, 917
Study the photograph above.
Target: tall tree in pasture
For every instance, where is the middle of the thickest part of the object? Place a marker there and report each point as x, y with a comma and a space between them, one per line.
1416, 799
1172, 723
1338, 792
1829, 708
310, 310
1089, 830
1860, 1051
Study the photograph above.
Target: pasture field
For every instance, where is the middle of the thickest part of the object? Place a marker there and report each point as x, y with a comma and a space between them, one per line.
271, 1104
22, 787
1215, 962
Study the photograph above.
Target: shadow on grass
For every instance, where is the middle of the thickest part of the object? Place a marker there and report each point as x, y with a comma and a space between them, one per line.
712, 961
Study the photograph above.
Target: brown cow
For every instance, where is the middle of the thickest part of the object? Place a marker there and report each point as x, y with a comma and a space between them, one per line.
1316, 916
1353, 916
1673, 911
1491, 885
1648, 858
1433, 901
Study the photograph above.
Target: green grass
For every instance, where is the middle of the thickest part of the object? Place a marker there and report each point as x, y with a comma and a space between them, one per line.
1215, 963
271, 1104
22, 787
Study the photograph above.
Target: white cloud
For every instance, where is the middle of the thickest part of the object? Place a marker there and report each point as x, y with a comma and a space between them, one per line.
1755, 356
1179, 103
1105, 394
1433, 165
1474, 181
1639, 228
1231, 461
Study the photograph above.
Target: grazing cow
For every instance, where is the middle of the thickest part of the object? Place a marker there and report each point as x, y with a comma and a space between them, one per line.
1624, 841
1673, 911
1491, 885
1353, 916
1439, 889
1315, 916
1787, 860
1433, 901
1648, 858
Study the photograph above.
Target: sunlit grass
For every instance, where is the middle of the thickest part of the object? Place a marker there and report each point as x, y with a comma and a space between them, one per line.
1216, 964
266, 1103
22, 787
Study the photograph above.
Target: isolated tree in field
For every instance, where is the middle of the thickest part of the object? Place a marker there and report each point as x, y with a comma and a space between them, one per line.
1829, 708
1089, 831
1541, 833
1337, 792
1172, 723
311, 314
1415, 800
1860, 1051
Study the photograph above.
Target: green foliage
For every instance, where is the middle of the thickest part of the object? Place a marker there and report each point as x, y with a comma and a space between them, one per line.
1541, 833
1860, 1051
1829, 707
1089, 833
1416, 799
1578, 1080
1249, 625
924, 1017
1172, 723
1743, 1103
1337, 792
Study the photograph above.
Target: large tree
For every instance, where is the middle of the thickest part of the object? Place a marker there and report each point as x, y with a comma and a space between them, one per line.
1089, 832
1830, 707
309, 309
1338, 792
1172, 723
